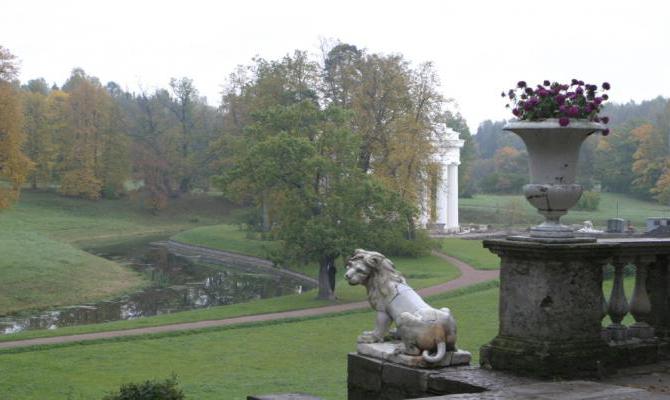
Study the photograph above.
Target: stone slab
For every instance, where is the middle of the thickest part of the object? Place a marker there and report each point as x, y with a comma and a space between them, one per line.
391, 352
284, 396
568, 390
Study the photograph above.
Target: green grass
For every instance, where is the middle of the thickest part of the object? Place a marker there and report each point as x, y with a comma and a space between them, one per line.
41, 236
299, 356
420, 272
306, 355
228, 238
499, 209
471, 252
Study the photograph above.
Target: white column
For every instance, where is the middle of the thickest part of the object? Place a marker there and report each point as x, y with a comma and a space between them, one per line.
442, 198
424, 212
452, 198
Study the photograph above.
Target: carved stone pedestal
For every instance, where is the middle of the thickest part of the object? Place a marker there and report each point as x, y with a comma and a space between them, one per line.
551, 307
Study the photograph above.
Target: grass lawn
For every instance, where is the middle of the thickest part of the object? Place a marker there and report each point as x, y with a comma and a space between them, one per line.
40, 239
420, 272
497, 209
227, 237
470, 251
299, 356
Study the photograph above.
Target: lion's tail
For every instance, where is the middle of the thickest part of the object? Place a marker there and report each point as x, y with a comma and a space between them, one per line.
439, 354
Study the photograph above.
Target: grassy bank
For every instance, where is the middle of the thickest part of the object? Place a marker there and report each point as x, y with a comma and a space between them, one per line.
300, 356
515, 210
42, 264
470, 251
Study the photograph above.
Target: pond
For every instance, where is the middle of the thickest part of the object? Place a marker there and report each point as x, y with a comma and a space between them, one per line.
178, 283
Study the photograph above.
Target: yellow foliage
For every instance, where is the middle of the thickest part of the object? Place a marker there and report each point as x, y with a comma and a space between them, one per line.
81, 183
14, 165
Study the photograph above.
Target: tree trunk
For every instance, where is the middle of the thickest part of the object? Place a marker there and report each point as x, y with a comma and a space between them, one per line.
327, 274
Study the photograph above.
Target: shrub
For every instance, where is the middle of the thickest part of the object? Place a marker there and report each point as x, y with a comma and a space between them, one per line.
149, 390
588, 202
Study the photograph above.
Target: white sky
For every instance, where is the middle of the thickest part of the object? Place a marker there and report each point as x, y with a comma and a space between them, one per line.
479, 47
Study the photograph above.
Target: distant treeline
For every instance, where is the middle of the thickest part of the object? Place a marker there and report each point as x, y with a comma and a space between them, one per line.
90, 139
633, 159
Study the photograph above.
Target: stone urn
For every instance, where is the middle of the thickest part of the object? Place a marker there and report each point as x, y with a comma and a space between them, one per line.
553, 152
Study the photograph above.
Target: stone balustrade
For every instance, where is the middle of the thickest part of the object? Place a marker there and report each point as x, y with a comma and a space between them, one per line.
552, 306
645, 340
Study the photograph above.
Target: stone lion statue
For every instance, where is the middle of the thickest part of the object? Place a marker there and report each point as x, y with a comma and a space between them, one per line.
424, 330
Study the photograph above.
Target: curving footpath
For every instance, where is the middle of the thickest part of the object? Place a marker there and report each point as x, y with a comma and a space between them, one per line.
469, 276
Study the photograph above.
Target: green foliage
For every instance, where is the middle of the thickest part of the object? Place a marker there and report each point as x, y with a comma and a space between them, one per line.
588, 202
149, 390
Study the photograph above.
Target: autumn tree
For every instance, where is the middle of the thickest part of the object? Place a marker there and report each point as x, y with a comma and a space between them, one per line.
14, 164
303, 159
94, 149
40, 143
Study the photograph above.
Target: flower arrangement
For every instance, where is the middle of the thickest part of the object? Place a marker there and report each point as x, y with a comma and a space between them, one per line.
556, 100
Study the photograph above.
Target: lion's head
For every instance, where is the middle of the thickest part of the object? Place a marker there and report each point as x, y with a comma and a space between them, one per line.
376, 272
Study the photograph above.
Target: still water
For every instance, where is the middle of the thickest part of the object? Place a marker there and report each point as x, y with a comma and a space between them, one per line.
177, 284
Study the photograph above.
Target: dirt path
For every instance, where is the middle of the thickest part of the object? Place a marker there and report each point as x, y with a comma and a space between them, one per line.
469, 276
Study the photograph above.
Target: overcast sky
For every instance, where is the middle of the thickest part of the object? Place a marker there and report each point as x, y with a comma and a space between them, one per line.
479, 47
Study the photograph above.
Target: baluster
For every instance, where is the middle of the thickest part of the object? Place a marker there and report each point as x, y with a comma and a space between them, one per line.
640, 305
604, 334
618, 307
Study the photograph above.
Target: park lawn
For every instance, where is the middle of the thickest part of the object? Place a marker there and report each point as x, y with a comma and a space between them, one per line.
420, 272
471, 252
228, 238
503, 209
41, 236
292, 356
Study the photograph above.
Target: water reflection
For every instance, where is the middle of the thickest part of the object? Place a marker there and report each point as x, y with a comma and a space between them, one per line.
178, 284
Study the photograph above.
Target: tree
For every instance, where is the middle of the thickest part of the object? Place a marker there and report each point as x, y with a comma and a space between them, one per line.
614, 159
94, 147
14, 165
39, 145
649, 158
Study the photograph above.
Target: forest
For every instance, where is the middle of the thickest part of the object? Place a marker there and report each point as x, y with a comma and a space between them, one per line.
633, 159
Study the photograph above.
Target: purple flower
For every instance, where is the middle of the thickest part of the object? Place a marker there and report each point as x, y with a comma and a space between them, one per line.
573, 111
606, 132
528, 106
563, 109
598, 100
579, 90
605, 96
580, 83
546, 83
589, 108
521, 84
516, 112
574, 81
503, 94
605, 120
560, 99
529, 90
563, 121
606, 85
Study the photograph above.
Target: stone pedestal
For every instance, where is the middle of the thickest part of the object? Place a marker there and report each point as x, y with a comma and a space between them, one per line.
391, 352
551, 307
375, 379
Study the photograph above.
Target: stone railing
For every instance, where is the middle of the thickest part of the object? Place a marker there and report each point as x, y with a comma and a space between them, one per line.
645, 340
552, 306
